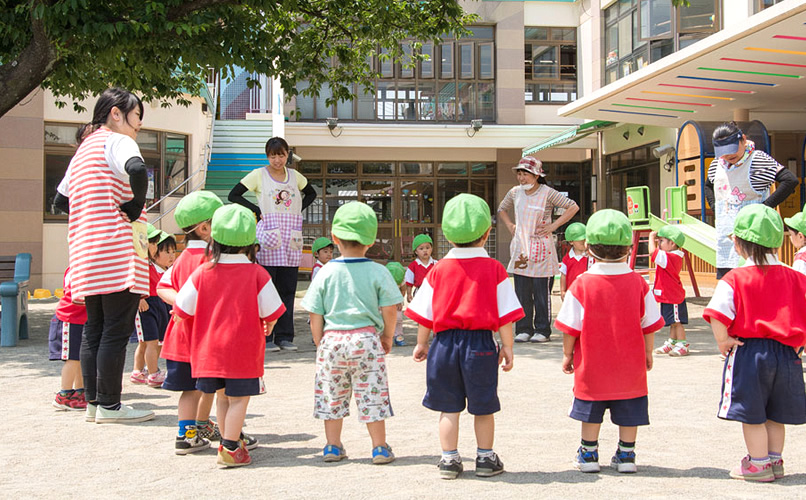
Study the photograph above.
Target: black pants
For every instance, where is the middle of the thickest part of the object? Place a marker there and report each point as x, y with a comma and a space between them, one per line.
110, 319
722, 271
285, 281
534, 296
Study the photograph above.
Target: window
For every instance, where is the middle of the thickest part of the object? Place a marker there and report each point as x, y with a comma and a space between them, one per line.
550, 65
763, 4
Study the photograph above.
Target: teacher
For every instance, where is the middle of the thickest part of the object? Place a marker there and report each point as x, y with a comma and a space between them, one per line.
282, 194
533, 259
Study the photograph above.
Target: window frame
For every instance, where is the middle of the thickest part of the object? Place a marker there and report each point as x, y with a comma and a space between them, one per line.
533, 84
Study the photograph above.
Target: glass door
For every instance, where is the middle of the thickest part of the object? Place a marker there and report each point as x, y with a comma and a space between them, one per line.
416, 215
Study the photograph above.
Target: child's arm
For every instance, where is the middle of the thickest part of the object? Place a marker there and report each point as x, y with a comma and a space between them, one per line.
649, 343
563, 287
317, 327
143, 307
389, 321
653, 237
269, 326
421, 349
505, 353
569, 341
408, 292
168, 295
724, 342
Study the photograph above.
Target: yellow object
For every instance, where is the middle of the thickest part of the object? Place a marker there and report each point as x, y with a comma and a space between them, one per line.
42, 293
59, 292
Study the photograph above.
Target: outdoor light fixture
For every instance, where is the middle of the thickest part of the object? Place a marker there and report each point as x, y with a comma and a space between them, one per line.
333, 124
626, 135
475, 126
665, 150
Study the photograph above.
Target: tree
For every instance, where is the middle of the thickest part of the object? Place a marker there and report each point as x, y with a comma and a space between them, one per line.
161, 48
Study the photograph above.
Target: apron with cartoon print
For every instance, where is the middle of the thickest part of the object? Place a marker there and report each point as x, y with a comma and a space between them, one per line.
732, 192
531, 255
279, 230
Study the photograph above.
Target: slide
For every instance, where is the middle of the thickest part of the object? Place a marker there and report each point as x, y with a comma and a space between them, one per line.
700, 237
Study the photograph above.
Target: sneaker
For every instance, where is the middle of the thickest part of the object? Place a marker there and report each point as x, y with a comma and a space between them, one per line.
209, 431
68, 402
287, 345
249, 442
587, 461
91, 411
680, 349
624, 461
400, 341
237, 458
139, 377
489, 466
271, 347
333, 453
156, 379
749, 471
79, 401
666, 348
522, 337
382, 455
191, 442
777, 468
125, 415
539, 337
450, 468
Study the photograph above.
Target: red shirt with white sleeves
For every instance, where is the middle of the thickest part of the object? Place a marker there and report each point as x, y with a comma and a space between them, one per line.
417, 271
573, 265
228, 302
66, 310
668, 287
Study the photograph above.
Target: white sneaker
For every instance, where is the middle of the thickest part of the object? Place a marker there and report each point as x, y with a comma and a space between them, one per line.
91, 411
125, 415
539, 337
522, 337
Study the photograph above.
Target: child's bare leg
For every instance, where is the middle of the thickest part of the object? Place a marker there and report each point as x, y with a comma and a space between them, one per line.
333, 431
222, 408
626, 434
204, 406
140, 357
449, 431
188, 405
152, 355
485, 431
775, 437
235, 415
756, 440
590, 432
377, 432
71, 375
677, 331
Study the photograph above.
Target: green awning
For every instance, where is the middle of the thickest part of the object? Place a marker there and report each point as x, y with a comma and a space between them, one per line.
568, 136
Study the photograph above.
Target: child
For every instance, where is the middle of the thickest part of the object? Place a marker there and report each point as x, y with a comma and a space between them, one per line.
797, 235
759, 323
322, 249
607, 348
153, 315
419, 267
398, 273
64, 341
664, 250
193, 214
464, 300
351, 302
577, 260
229, 298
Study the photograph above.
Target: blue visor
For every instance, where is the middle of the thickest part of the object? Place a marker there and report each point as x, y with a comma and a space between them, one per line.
727, 146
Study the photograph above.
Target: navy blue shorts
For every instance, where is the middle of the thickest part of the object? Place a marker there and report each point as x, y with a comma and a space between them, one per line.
151, 325
674, 313
763, 380
462, 366
177, 376
233, 387
625, 412
64, 340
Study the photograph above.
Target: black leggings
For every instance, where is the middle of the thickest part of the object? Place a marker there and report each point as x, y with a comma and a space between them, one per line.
285, 281
110, 321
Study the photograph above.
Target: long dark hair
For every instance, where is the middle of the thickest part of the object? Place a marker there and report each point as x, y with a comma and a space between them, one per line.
114, 97
215, 250
725, 130
756, 252
276, 146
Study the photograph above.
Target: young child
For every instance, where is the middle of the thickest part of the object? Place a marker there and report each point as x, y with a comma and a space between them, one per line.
577, 260
193, 214
422, 245
607, 348
229, 298
398, 273
797, 235
64, 341
664, 250
465, 299
153, 315
352, 305
759, 323
322, 249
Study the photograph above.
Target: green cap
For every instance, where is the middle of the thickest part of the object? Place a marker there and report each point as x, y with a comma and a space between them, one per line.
797, 221
320, 243
466, 218
673, 233
355, 221
609, 227
759, 224
151, 231
196, 207
575, 232
234, 226
420, 239
397, 270
163, 236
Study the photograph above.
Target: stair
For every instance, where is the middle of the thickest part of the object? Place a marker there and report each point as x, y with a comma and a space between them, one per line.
239, 146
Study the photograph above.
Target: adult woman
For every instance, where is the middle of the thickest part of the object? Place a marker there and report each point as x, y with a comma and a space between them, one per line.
740, 175
104, 192
282, 194
533, 260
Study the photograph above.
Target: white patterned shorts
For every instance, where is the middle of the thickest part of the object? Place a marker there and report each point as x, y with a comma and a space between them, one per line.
347, 362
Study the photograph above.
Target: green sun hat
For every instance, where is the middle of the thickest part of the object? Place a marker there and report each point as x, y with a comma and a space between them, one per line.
197, 207
234, 226
673, 233
759, 224
575, 232
151, 231
320, 243
609, 227
163, 236
355, 221
420, 239
797, 221
397, 271
466, 218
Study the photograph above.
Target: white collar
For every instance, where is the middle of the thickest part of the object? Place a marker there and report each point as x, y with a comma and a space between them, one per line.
772, 260
158, 268
573, 254
610, 268
801, 250
430, 261
466, 253
233, 258
196, 244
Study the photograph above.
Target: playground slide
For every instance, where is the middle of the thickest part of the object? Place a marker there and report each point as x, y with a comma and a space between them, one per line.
700, 237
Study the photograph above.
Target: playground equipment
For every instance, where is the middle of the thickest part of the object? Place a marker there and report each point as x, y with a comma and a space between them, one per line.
700, 237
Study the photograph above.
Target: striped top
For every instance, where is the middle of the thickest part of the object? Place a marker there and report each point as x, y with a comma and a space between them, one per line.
763, 169
102, 255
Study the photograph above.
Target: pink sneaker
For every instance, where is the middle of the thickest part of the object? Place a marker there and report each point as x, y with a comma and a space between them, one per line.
777, 468
749, 471
139, 377
156, 379
680, 349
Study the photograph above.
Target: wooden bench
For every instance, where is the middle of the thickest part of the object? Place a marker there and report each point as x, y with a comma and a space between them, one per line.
15, 273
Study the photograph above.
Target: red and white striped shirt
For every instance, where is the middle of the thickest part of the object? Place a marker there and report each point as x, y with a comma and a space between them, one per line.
102, 255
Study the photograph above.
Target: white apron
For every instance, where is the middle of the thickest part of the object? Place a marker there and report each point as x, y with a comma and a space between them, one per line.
279, 230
